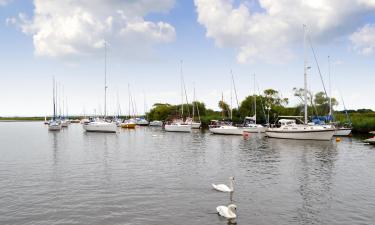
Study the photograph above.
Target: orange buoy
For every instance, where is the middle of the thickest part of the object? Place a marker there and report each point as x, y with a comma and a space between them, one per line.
338, 139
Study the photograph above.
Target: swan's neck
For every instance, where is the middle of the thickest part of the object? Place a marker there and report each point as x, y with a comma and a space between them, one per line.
231, 185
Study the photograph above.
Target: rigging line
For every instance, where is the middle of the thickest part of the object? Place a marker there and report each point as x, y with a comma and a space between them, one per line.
187, 102
235, 91
317, 64
346, 111
261, 102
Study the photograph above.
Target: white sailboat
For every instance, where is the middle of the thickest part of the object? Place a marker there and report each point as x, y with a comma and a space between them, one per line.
54, 124
101, 125
195, 124
250, 124
289, 129
226, 128
179, 125
156, 123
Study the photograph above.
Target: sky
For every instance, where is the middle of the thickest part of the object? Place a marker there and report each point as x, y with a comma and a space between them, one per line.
147, 39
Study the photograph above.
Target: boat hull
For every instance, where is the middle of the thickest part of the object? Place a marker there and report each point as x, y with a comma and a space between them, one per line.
128, 125
254, 129
323, 135
195, 125
177, 128
226, 130
156, 124
54, 127
370, 141
100, 127
142, 123
343, 132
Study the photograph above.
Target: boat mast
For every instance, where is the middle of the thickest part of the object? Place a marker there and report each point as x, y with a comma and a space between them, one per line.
330, 90
305, 70
231, 111
182, 92
129, 100
255, 103
193, 101
54, 100
105, 79
222, 102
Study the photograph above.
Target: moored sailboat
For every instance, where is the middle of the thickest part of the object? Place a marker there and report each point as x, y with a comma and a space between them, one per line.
156, 123
250, 123
225, 127
101, 125
289, 129
54, 124
195, 124
179, 125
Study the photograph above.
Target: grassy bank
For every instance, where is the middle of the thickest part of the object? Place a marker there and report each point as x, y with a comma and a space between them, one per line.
362, 122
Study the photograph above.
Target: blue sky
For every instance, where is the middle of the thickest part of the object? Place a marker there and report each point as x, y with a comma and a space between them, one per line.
149, 38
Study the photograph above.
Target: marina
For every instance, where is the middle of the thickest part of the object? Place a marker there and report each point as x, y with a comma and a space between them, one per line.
142, 176
212, 112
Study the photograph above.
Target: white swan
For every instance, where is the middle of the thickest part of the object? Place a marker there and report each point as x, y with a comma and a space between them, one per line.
223, 187
227, 211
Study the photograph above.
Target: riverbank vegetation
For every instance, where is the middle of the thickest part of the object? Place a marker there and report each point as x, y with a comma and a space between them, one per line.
270, 105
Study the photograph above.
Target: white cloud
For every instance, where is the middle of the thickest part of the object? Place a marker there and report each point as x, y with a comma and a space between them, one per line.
364, 39
269, 32
4, 2
70, 27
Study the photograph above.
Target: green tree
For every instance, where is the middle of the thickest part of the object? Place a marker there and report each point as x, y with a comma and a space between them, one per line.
162, 111
224, 108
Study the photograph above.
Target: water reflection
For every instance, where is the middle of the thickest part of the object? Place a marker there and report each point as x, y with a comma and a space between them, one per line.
55, 147
147, 176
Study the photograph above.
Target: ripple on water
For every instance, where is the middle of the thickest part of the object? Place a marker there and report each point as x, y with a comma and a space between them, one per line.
147, 176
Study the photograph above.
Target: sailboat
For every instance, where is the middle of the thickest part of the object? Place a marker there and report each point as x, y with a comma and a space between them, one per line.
195, 124
289, 129
130, 122
54, 124
64, 119
101, 125
179, 125
250, 123
225, 127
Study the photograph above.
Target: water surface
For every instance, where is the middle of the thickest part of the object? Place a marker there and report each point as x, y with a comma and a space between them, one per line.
147, 176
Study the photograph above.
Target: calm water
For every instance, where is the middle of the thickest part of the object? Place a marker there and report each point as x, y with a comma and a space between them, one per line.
146, 176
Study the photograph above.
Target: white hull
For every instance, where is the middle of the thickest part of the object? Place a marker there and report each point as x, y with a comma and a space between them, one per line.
259, 129
226, 130
343, 132
54, 127
142, 123
64, 123
195, 125
324, 135
370, 140
177, 128
102, 127
156, 123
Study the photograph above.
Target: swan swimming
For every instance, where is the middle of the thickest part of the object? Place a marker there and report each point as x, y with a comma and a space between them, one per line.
223, 187
227, 211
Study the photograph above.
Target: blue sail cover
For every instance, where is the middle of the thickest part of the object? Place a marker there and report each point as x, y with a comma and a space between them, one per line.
322, 119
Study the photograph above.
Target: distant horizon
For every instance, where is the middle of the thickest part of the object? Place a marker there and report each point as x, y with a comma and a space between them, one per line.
147, 39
